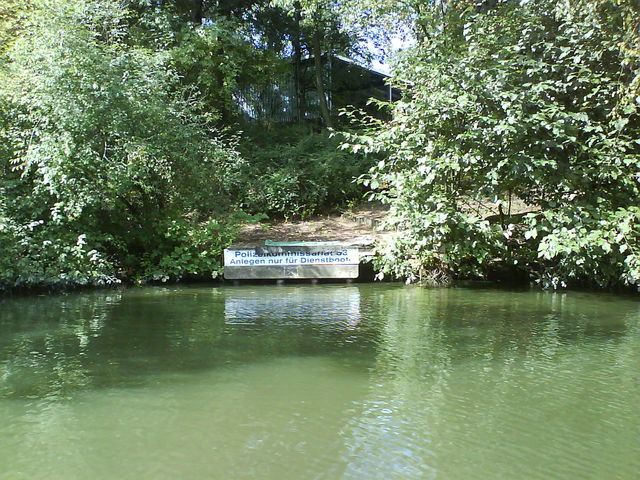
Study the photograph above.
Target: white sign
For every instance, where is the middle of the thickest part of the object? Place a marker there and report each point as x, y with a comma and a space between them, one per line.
249, 258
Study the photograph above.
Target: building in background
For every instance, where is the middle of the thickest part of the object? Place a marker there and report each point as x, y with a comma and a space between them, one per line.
291, 98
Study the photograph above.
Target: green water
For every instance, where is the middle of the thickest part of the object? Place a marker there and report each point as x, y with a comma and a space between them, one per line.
320, 382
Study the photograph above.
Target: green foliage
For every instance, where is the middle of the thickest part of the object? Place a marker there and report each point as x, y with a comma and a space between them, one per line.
530, 100
12, 13
107, 154
103, 128
215, 59
585, 242
190, 249
116, 157
291, 173
34, 255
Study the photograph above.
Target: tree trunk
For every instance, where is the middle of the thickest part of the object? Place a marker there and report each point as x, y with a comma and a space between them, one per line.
198, 11
319, 76
297, 65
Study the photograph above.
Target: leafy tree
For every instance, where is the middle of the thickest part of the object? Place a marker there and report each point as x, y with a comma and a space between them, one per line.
321, 31
532, 100
111, 154
297, 174
12, 16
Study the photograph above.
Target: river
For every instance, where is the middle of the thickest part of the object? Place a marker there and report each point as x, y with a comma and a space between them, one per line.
372, 381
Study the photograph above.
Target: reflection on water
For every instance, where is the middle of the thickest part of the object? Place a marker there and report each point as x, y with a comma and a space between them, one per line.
354, 382
300, 306
511, 386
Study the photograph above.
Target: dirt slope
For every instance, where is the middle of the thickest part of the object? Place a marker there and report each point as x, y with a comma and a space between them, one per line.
362, 225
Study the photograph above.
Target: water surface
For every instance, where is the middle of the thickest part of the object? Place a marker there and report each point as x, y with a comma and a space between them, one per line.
330, 382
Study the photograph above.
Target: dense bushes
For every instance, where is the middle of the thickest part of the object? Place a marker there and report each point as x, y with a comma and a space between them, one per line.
107, 170
113, 164
534, 100
290, 172
111, 168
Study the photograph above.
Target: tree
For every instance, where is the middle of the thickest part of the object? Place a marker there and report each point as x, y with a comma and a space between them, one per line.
113, 158
12, 14
319, 28
529, 100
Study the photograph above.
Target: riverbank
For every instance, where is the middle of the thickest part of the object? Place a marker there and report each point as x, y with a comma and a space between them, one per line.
360, 224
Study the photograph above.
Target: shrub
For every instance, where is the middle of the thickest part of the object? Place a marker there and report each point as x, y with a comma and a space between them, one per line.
294, 173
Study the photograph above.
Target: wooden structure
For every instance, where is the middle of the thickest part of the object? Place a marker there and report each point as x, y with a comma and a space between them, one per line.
347, 84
